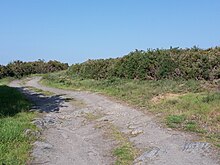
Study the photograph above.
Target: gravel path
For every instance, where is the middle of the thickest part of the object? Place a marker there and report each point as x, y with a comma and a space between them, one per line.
72, 132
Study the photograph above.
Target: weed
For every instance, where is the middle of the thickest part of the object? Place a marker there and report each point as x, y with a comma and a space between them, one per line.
191, 126
172, 101
211, 97
174, 120
125, 152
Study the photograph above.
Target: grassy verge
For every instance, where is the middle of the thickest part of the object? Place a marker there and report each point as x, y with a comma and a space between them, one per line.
184, 105
5, 81
15, 119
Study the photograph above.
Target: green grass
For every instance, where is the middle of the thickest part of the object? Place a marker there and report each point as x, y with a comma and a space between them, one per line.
194, 112
125, 152
174, 120
193, 109
5, 81
15, 146
181, 104
12, 102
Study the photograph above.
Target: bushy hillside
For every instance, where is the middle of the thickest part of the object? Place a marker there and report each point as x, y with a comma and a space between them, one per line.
167, 82
193, 63
19, 68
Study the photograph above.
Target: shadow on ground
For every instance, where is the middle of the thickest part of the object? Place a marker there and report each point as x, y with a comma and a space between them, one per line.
43, 103
11, 102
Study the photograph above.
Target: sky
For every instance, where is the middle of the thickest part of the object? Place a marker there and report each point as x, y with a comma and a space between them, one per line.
74, 31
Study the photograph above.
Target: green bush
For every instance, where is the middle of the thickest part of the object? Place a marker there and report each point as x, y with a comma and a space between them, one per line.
95, 69
155, 64
19, 68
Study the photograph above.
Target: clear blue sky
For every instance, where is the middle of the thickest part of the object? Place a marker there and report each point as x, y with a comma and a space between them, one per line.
76, 30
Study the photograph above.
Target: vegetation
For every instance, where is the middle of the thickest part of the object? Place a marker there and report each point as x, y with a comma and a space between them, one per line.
181, 86
5, 81
125, 152
188, 105
12, 102
14, 120
194, 63
19, 69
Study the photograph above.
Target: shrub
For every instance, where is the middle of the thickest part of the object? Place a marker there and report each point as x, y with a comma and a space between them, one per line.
20, 68
155, 64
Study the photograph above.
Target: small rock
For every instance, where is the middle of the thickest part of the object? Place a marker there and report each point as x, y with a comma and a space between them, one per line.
29, 132
43, 145
131, 127
49, 120
55, 110
136, 132
39, 123
148, 155
196, 146
86, 139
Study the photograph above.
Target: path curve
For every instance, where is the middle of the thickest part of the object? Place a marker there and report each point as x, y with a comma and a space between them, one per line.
70, 138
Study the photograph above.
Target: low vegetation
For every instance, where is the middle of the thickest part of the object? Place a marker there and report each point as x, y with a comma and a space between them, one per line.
173, 63
189, 102
124, 151
14, 121
181, 104
180, 86
19, 69
5, 81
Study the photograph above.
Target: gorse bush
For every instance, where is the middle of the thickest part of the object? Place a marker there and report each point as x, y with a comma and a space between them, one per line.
20, 68
155, 64
94, 69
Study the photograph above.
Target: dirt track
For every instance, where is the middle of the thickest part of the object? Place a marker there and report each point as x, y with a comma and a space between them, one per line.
74, 132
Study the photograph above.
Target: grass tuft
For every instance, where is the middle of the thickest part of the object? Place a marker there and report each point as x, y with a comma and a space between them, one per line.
174, 120
125, 152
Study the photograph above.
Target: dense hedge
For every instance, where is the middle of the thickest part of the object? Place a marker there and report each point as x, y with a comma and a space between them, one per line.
193, 63
19, 68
